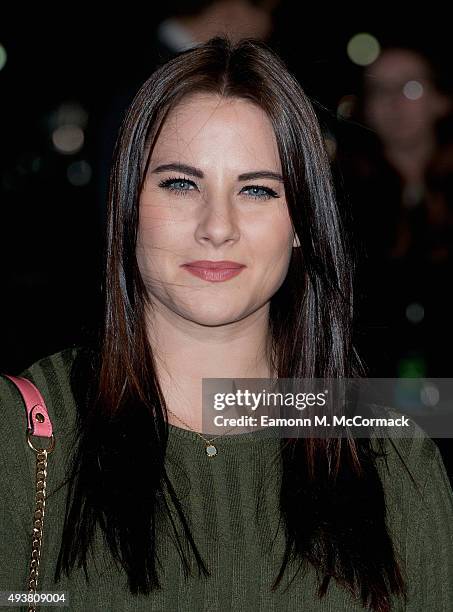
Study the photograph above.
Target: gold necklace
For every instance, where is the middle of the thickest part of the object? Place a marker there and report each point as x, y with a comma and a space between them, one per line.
211, 450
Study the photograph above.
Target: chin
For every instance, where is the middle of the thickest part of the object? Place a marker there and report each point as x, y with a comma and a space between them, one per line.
212, 317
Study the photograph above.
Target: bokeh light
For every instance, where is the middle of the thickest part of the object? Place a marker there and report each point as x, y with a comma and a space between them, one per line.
363, 49
70, 113
415, 313
346, 106
331, 146
66, 125
429, 395
3, 57
413, 90
68, 139
79, 173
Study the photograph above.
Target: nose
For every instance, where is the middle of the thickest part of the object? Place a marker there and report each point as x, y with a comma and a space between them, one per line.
218, 222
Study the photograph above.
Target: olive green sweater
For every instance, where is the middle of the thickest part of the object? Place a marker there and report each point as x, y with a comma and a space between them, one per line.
219, 496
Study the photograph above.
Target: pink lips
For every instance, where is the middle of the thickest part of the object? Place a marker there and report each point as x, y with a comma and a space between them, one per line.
214, 271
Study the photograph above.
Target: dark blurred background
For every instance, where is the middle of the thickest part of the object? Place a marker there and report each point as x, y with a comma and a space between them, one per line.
67, 78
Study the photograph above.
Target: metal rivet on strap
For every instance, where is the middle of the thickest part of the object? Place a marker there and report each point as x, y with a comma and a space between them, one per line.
40, 417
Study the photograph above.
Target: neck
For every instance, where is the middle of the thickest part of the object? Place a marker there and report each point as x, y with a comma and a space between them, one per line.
186, 352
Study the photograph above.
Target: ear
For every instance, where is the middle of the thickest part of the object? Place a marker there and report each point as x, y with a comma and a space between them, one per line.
296, 242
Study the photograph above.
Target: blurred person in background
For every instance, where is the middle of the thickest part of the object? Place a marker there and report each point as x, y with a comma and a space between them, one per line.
401, 191
400, 185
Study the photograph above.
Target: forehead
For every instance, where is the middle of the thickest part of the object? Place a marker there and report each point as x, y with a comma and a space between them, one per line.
398, 66
207, 125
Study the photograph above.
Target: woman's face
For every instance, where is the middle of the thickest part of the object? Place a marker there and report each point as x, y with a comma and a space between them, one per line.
198, 205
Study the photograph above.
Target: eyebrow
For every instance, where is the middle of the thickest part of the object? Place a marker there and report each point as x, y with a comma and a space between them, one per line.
247, 176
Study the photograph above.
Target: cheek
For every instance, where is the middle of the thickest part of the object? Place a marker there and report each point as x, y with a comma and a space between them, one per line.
154, 217
272, 246
145, 236
160, 228
152, 238
419, 110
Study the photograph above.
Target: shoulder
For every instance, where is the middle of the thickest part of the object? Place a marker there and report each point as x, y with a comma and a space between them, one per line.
409, 459
418, 494
56, 364
419, 515
52, 376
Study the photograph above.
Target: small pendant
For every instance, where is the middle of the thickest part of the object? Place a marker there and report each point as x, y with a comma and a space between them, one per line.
211, 450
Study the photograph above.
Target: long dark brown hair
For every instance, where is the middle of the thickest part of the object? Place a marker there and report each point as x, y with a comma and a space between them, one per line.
331, 499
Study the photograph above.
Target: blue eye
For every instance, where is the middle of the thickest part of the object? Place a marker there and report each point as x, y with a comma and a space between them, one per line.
180, 186
176, 185
266, 192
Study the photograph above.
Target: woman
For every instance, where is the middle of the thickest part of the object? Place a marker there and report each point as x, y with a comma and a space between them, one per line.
220, 158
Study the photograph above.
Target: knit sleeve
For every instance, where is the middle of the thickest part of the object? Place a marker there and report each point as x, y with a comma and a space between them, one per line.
429, 558
16, 490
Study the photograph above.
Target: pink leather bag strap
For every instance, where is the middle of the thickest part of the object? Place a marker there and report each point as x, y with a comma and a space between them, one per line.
38, 421
38, 424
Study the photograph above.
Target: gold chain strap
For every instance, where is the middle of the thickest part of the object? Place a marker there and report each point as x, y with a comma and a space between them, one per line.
38, 517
